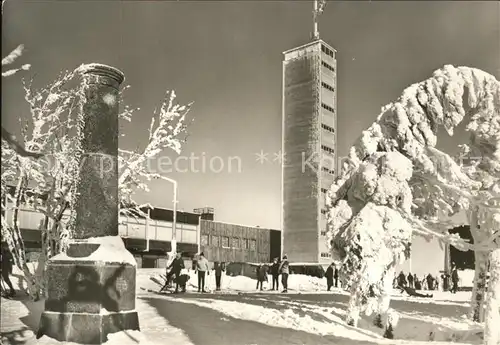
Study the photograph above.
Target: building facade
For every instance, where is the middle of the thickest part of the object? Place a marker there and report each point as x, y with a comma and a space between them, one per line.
149, 239
310, 149
225, 242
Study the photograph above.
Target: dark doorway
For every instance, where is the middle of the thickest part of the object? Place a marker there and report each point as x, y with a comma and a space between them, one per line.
463, 260
148, 262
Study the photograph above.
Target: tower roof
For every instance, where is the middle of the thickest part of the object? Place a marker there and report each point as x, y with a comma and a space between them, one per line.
310, 44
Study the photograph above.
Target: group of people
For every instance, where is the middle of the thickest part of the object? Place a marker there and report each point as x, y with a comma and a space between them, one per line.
176, 272
275, 270
445, 282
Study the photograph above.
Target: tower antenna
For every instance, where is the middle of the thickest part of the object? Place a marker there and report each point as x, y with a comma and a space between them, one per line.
319, 7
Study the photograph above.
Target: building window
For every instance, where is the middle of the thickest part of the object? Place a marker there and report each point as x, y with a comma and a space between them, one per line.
236, 242
204, 240
215, 241
323, 233
225, 242
327, 149
325, 255
326, 51
328, 87
324, 190
253, 244
325, 169
246, 244
326, 65
327, 107
328, 128
323, 211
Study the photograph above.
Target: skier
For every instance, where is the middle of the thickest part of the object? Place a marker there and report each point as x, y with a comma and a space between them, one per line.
202, 268
410, 280
275, 272
411, 292
329, 277
284, 269
218, 268
7, 268
454, 279
182, 279
175, 269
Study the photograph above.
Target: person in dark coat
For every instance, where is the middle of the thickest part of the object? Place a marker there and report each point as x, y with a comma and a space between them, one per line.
284, 269
175, 269
7, 265
218, 268
446, 281
410, 280
416, 281
402, 279
329, 276
275, 273
261, 276
336, 276
430, 282
454, 279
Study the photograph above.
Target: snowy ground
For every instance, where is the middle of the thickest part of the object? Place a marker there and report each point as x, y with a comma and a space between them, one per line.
240, 315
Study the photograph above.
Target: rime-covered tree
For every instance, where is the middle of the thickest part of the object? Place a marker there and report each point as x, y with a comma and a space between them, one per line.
396, 182
54, 130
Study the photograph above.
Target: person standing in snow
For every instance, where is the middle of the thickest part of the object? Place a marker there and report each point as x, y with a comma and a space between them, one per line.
7, 265
445, 277
430, 282
203, 269
454, 279
410, 280
329, 277
285, 270
402, 279
261, 276
218, 268
275, 272
416, 281
336, 276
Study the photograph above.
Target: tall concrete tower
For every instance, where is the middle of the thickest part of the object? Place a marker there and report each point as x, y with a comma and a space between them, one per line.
309, 113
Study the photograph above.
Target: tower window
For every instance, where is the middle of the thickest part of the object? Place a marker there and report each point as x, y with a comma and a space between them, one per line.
325, 255
328, 128
327, 149
323, 211
323, 233
328, 87
324, 190
327, 107
328, 66
326, 51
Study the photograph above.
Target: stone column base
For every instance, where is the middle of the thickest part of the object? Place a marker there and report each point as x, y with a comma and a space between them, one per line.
86, 328
90, 292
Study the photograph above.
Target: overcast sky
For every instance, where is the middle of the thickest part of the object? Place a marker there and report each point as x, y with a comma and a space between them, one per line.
226, 56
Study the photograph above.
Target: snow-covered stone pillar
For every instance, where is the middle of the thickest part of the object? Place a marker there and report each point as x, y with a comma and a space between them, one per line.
91, 287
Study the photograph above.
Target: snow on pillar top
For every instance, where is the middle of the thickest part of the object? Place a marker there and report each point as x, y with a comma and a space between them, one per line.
102, 74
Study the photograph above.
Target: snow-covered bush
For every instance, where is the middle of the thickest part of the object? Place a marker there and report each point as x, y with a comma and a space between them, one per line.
54, 130
396, 181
